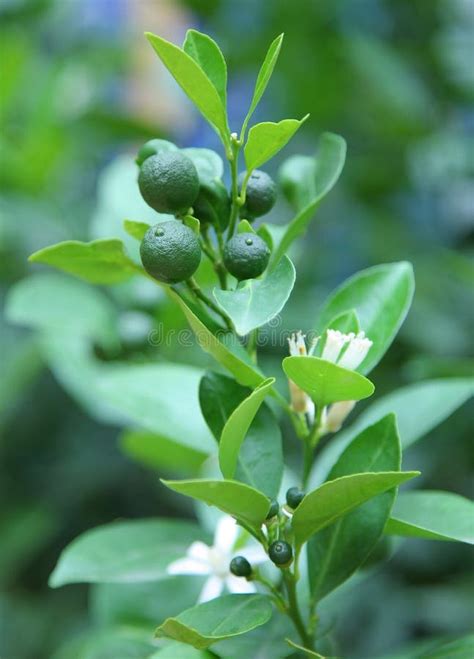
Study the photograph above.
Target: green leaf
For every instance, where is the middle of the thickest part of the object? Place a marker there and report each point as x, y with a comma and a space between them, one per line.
336, 498
243, 372
297, 178
263, 78
266, 139
326, 382
132, 551
244, 226
193, 223
53, 302
345, 322
381, 297
237, 426
337, 551
101, 261
208, 163
303, 650
260, 462
161, 398
159, 452
433, 400
136, 229
257, 301
218, 619
175, 649
433, 515
195, 83
237, 499
208, 55
329, 164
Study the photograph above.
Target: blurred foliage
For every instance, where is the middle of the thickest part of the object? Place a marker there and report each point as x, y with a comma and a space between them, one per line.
395, 78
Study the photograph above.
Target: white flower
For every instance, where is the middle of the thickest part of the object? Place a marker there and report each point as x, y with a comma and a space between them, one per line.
346, 350
337, 414
214, 561
300, 401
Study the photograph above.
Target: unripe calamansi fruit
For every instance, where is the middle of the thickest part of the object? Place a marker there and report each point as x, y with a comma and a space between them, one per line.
170, 252
169, 182
260, 194
246, 256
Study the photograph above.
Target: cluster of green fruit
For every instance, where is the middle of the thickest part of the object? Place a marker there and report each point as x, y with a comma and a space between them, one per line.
279, 551
171, 251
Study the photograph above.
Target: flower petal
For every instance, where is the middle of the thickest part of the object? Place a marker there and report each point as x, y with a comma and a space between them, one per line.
239, 585
199, 552
337, 415
226, 534
255, 554
335, 341
188, 566
211, 589
356, 352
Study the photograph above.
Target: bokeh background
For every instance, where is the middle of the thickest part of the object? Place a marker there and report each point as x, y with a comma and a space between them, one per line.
80, 90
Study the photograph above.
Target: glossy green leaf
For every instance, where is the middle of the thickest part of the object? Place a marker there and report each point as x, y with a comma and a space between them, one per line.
132, 551
136, 229
327, 503
260, 461
243, 372
194, 82
297, 178
433, 515
244, 226
266, 139
208, 163
263, 78
218, 619
256, 301
159, 452
153, 397
337, 551
433, 400
346, 322
101, 261
175, 650
124, 641
381, 297
326, 382
193, 223
53, 302
303, 650
237, 499
207, 54
330, 161
237, 426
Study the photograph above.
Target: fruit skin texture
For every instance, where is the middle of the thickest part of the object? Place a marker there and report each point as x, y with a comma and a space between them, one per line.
260, 194
294, 497
240, 567
280, 553
169, 182
246, 256
170, 252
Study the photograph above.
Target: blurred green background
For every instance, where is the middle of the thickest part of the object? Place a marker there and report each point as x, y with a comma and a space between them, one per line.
80, 90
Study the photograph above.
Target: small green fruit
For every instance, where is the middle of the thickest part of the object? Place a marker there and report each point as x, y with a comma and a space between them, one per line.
170, 252
169, 182
274, 508
280, 553
294, 497
246, 256
260, 194
240, 567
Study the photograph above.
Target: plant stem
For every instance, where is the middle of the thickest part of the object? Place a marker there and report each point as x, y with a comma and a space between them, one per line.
198, 292
252, 345
294, 611
236, 202
273, 589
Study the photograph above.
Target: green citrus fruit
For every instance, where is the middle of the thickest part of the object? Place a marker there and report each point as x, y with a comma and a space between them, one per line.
212, 205
152, 147
294, 497
274, 508
246, 256
169, 182
170, 252
280, 553
240, 567
260, 195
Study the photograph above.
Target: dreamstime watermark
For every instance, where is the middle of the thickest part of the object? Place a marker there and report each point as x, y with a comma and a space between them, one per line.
271, 335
